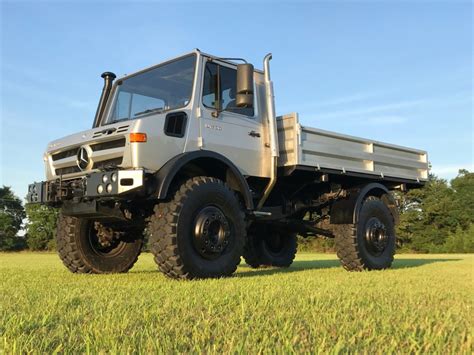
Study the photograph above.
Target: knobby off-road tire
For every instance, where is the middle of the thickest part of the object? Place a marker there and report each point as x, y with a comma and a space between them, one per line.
80, 251
200, 233
267, 246
369, 244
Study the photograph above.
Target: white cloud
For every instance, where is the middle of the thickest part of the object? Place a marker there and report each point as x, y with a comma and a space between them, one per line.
449, 171
347, 99
27, 90
382, 120
393, 106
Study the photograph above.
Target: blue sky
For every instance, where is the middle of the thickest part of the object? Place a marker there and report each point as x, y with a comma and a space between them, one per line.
396, 71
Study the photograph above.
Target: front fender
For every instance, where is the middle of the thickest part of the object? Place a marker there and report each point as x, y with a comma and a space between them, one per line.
166, 175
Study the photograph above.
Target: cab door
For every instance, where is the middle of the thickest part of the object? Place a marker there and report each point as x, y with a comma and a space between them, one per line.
233, 132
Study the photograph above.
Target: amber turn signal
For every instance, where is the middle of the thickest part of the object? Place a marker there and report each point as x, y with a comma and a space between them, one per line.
137, 137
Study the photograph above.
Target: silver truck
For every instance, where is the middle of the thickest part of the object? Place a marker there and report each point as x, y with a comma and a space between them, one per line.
191, 152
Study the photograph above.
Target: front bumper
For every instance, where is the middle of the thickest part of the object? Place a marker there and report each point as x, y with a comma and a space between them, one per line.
106, 184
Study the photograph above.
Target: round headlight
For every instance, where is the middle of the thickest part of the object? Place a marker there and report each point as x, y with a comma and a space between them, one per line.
100, 189
109, 188
105, 178
114, 177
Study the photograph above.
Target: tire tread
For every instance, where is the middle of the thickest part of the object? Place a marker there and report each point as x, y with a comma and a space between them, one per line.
163, 230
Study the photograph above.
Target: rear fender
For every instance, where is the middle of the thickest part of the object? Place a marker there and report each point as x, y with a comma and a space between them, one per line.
346, 211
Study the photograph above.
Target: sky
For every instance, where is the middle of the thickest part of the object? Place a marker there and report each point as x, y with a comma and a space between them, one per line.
394, 71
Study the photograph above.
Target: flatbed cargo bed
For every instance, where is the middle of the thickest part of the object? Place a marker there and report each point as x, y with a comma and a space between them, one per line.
305, 147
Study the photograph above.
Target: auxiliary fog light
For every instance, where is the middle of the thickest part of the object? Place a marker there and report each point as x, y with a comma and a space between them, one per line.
100, 189
109, 188
105, 178
114, 177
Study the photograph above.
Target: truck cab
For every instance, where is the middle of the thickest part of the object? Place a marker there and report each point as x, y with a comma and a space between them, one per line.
178, 106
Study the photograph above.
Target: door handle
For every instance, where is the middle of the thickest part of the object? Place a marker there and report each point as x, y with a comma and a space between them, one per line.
254, 134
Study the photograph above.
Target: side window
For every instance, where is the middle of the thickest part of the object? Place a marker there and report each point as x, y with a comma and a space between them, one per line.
227, 85
209, 93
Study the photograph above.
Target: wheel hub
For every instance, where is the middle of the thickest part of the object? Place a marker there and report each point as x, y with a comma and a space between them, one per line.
376, 236
104, 241
211, 232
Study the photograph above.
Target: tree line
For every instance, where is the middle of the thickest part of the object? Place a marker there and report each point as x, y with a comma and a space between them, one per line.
438, 218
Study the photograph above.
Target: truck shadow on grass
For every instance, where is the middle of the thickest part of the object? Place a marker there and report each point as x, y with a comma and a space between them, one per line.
302, 265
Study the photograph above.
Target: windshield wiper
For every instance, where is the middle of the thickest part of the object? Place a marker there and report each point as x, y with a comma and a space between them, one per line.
158, 109
119, 120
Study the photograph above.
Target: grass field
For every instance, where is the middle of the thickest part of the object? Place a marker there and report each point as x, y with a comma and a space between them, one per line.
423, 304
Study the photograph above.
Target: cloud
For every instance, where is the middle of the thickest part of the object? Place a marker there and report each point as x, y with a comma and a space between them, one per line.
335, 101
348, 99
28, 90
387, 112
361, 111
449, 171
382, 120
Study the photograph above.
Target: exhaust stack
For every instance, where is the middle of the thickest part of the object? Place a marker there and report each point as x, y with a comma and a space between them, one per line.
108, 81
272, 125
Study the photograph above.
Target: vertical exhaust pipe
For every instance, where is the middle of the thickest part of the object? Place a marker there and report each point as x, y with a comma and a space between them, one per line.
108, 81
272, 125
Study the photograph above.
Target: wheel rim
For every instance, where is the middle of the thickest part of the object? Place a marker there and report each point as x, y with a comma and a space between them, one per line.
111, 250
211, 233
376, 236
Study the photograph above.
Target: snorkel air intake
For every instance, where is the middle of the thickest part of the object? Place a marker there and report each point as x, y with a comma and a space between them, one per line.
108, 81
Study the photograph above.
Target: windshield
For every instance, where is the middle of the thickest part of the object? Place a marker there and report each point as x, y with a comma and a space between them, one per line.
163, 88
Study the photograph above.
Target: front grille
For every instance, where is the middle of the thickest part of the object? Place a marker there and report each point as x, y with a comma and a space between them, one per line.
107, 164
116, 143
65, 154
101, 151
67, 170
109, 145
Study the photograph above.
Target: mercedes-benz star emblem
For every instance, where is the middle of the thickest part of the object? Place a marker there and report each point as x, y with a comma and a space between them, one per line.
82, 158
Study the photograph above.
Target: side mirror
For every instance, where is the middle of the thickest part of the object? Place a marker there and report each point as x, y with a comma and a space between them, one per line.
244, 90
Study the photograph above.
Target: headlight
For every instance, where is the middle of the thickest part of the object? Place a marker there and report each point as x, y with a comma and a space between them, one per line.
105, 178
100, 189
109, 188
114, 177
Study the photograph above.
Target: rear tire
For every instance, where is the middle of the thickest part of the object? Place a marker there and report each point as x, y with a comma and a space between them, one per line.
80, 251
200, 233
369, 244
267, 246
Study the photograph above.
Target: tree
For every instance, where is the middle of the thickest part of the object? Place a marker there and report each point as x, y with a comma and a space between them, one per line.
12, 214
463, 187
460, 242
436, 212
41, 227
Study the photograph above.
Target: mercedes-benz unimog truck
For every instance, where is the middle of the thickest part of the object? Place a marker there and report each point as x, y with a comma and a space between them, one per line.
191, 153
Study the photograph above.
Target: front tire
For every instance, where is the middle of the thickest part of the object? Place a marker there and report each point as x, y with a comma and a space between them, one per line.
200, 233
81, 252
369, 244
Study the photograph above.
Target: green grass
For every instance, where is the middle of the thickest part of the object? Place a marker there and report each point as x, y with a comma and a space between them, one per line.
423, 304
